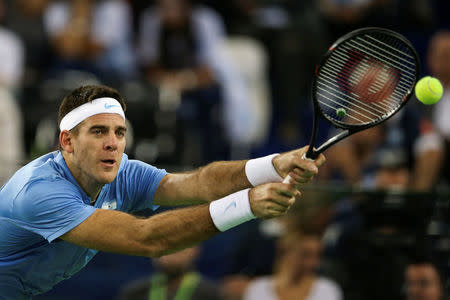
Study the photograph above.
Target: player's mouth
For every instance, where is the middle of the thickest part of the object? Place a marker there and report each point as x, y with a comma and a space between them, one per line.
108, 162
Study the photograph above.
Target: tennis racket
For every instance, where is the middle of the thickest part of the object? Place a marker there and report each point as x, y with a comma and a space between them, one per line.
365, 78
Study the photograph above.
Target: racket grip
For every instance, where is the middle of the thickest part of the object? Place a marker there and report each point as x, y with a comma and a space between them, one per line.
307, 158
288, 178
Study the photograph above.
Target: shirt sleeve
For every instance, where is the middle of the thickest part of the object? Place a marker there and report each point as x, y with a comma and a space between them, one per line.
50, 208
140, 181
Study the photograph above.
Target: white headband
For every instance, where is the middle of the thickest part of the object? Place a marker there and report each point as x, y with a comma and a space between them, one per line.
97, 106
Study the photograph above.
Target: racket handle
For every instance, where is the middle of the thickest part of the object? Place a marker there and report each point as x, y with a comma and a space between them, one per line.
288, 178
307, 158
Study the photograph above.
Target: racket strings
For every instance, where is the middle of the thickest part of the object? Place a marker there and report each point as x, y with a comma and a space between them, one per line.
359, 58
340, 95
367, 76
391, 61
388, 103
348, 72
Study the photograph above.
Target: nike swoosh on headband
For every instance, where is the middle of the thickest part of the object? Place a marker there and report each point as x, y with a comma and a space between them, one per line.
110, 106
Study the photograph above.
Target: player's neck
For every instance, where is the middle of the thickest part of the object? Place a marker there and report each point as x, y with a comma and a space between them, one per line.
91, 187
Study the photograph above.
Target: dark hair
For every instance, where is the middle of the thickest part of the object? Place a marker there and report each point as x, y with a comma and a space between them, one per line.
85, 94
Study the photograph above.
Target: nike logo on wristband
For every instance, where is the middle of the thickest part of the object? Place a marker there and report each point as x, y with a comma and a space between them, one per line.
232, 204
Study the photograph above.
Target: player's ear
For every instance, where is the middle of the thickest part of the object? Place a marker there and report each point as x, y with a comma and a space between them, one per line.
65, 140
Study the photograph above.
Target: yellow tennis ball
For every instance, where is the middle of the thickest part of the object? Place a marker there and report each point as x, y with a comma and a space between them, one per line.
429, 90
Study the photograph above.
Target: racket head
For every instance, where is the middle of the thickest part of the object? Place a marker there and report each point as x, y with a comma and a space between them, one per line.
364, 78
370, 73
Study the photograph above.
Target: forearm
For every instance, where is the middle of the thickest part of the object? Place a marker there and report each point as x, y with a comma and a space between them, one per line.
174, 230
203, 185
118, 232
222, 178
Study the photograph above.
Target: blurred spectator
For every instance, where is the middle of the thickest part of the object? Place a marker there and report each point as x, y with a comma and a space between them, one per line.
25, 17
247, 124
11, 121
392, 170
175, 41
174, 279
391, 173
341, 17
92, 35
11, 151
12, 53
439, 65
407, 130
295, 272
252, 256
256, 250
370, 228
423, 281
180, 47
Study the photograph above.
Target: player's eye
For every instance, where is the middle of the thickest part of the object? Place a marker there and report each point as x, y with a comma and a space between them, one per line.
97, 131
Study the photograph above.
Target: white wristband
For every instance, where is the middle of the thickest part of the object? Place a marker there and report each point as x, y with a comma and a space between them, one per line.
231, 210
261, 170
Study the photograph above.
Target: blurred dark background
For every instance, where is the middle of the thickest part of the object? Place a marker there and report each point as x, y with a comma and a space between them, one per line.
220, 80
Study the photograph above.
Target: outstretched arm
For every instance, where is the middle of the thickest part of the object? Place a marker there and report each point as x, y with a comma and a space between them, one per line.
219, 179
115, 231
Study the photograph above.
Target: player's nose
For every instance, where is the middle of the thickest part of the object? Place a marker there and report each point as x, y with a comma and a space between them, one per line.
111, 141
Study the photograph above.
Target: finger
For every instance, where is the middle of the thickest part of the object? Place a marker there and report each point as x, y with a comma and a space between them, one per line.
298, 179
275, 207
309, 168
285, 189
320, 160
284, 200
274, 214
277, 213
295, 198
302, 173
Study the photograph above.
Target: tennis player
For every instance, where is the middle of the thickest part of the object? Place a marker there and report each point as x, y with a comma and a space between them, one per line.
58, 211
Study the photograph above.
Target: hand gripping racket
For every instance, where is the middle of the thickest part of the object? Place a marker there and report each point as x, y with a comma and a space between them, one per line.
365, 77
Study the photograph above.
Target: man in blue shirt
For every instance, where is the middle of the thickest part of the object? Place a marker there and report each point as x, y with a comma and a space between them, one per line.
60, 209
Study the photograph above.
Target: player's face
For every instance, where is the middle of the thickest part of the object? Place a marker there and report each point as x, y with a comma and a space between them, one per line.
98, 149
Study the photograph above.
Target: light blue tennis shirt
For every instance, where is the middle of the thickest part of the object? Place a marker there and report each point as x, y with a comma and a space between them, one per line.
41, 202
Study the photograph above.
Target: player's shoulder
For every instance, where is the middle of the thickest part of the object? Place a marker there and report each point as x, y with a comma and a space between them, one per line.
49, 166
127, 166
46, 174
